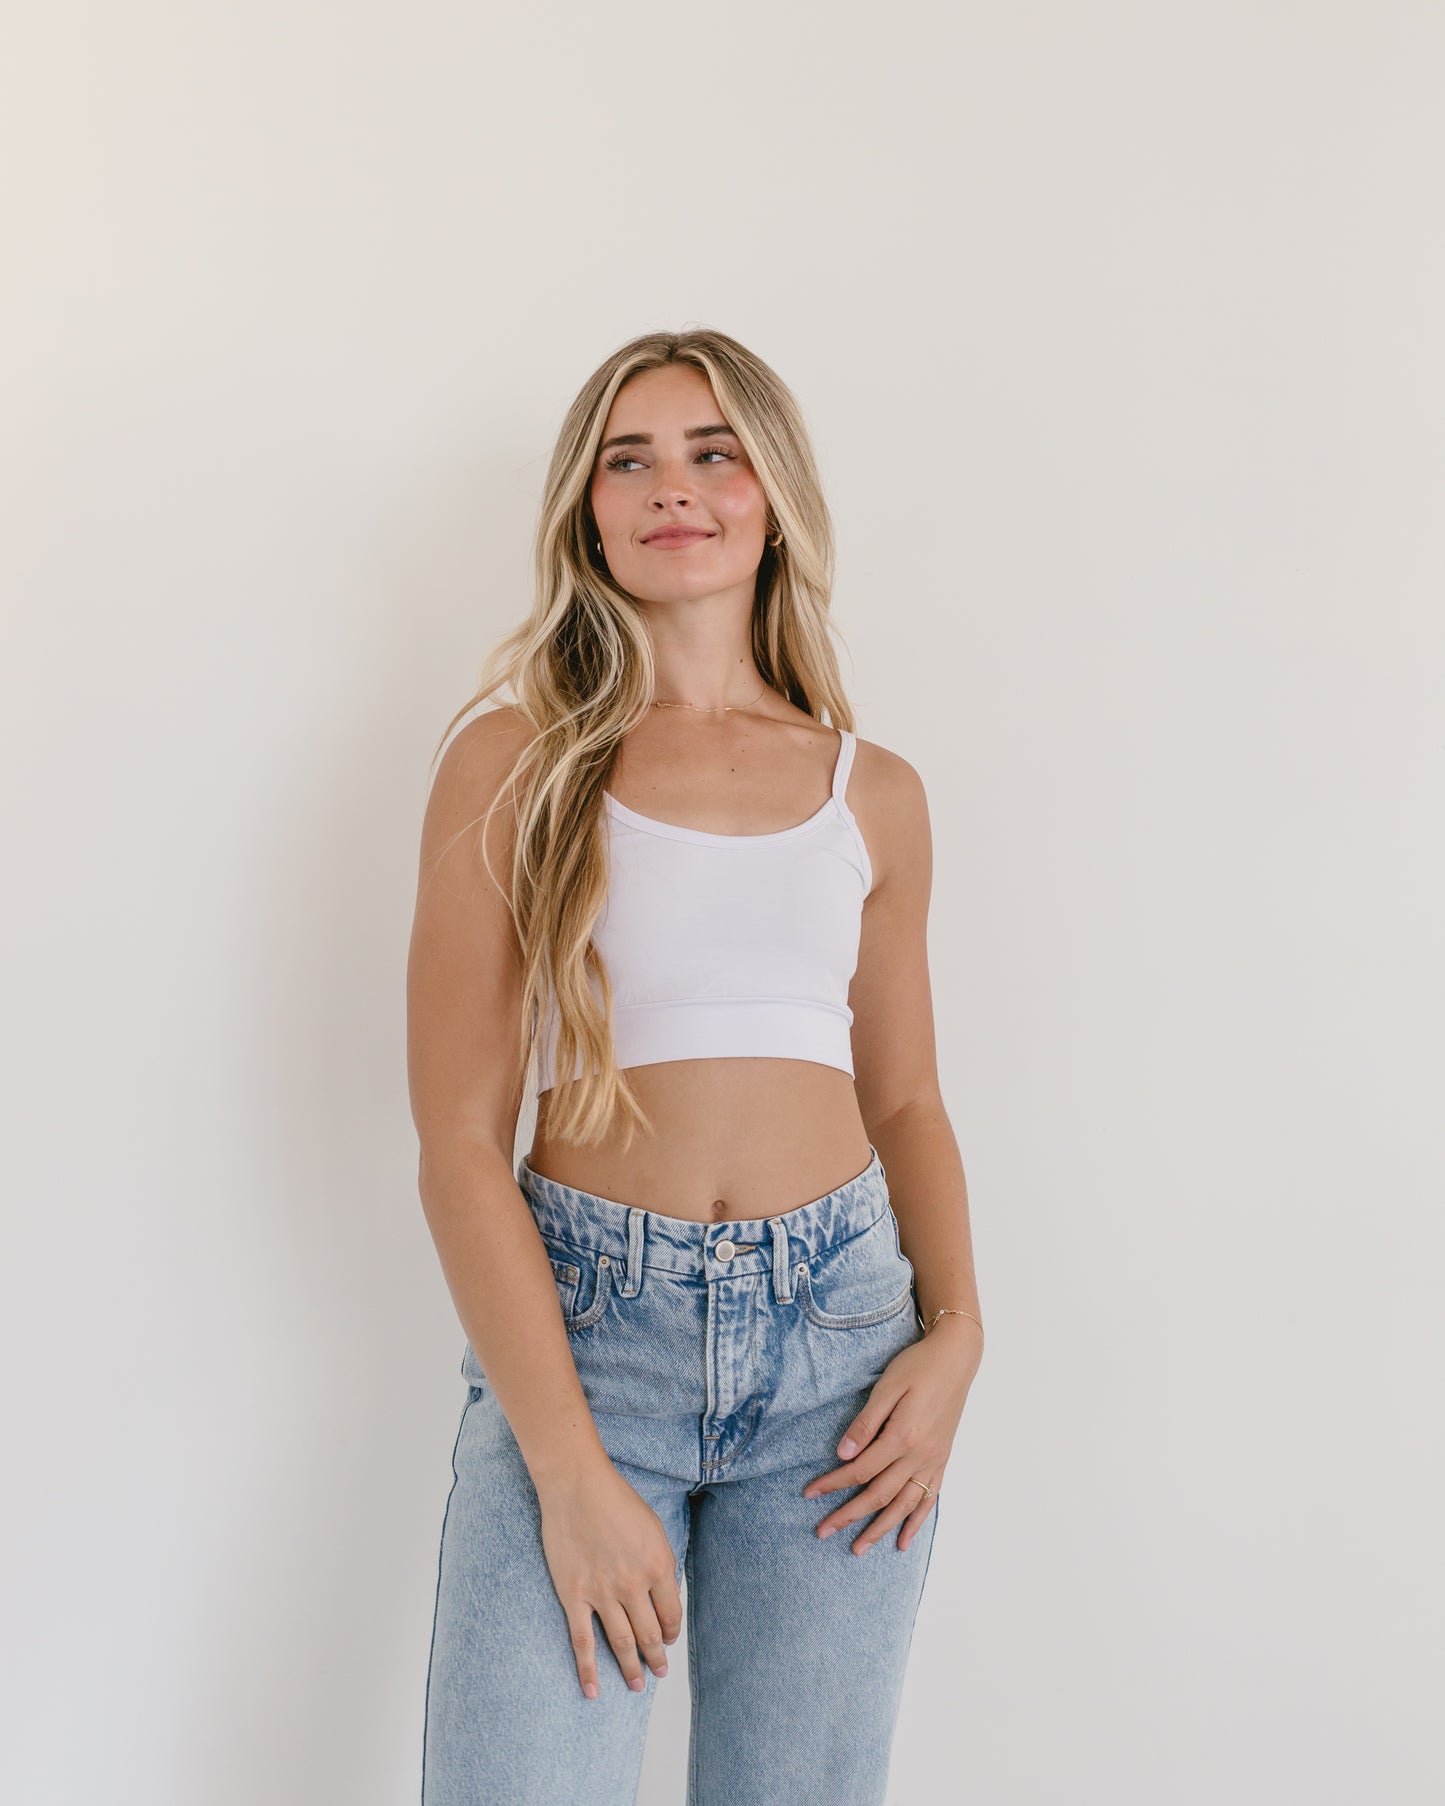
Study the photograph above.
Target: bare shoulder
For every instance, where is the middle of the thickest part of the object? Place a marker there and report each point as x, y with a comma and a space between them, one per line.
469, 776
887, 796
479, 755
475, 765
885, 784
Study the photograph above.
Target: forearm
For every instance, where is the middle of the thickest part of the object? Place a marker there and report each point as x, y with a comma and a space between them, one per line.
500, 1278
930, 1199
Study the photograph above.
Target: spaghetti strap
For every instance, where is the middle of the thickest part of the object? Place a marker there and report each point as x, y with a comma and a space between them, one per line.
844, 764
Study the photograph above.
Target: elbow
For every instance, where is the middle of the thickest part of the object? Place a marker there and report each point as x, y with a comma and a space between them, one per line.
455, 1165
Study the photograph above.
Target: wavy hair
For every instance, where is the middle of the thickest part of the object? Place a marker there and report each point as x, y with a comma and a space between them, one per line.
581, 670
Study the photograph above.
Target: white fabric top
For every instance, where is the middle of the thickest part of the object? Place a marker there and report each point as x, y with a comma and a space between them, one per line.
730, 944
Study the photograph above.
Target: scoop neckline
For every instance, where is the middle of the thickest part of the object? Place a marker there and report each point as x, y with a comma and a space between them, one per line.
673, 831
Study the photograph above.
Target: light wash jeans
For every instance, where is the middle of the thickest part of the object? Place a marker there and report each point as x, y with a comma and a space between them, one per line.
722, 1363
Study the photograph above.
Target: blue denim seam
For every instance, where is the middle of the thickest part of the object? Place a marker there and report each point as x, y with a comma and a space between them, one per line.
927, 1561
693, 1681
711, 1469
473, 1394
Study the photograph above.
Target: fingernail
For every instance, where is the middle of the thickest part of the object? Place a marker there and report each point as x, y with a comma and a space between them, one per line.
637, 1683
590, 1689
847, 1447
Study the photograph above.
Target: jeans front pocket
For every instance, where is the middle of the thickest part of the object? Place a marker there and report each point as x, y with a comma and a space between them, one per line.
584, 1284
857, 1283
568, 1276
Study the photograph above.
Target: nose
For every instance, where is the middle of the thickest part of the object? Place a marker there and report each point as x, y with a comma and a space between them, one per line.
672, 483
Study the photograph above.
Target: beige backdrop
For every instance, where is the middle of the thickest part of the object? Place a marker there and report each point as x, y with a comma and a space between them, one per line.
1118, 328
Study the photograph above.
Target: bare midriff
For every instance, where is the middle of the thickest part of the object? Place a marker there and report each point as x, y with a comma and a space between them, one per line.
731, 1139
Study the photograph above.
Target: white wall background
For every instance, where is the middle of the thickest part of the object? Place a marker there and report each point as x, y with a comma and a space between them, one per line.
1118, 327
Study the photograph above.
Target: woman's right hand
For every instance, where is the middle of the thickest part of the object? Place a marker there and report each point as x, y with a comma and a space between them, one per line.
608, 1553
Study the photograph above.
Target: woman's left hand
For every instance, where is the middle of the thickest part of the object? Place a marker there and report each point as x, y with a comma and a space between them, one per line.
904, 1433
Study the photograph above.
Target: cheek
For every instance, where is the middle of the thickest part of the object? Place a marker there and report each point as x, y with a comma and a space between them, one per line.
605, 503
738, 501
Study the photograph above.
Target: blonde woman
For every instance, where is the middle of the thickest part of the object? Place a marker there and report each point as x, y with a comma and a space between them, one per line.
721, 1319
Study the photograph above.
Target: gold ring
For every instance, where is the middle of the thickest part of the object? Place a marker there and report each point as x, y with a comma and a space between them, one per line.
928, 1490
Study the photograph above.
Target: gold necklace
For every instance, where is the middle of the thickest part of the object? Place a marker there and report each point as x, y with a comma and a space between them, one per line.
708, 709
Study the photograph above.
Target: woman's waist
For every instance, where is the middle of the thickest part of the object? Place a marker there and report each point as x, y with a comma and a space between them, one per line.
731, 1138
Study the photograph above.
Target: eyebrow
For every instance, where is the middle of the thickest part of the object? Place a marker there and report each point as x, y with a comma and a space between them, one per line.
692, 432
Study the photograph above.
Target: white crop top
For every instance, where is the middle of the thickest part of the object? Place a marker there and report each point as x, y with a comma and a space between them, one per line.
730, 944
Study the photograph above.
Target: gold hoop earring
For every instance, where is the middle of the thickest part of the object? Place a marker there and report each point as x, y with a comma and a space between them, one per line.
778, 540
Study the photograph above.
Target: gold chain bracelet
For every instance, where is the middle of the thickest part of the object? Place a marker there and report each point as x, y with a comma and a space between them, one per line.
950, 1311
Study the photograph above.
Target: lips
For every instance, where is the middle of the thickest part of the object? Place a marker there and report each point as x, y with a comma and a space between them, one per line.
675, 536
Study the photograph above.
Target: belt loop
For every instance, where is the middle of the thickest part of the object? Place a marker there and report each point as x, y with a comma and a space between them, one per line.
782, 1271
634, 1251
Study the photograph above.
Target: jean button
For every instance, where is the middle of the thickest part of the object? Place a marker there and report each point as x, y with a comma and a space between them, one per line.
724, 1249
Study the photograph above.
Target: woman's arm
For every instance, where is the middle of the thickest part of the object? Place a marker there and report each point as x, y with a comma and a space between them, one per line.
894, 1055
905, 1431
605, 1546
463, 1007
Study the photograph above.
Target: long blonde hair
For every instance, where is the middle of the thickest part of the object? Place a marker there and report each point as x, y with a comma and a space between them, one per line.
581, 669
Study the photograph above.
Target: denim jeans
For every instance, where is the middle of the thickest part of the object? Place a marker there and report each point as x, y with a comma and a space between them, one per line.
722, 1363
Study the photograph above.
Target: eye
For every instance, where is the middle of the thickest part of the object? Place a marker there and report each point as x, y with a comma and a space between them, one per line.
619, 458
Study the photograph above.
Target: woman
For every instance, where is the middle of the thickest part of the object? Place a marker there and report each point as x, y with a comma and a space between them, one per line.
701, 1338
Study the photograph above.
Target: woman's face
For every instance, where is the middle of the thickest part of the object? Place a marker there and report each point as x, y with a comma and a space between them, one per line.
672, 474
